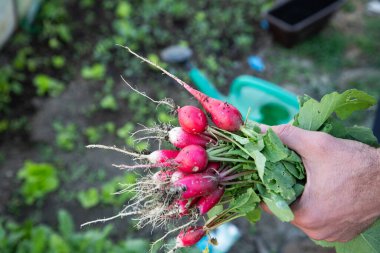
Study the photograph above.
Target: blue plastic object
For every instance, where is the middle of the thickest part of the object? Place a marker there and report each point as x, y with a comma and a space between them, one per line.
226, 235
268, 103
256, 63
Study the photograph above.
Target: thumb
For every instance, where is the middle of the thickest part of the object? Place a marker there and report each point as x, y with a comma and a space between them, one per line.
293, 137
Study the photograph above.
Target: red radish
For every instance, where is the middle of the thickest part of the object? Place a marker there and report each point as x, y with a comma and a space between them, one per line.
160, 156
196, 185
180, 138
190, 236
212, 167
224, 115
192, 158
205, 203
192, 119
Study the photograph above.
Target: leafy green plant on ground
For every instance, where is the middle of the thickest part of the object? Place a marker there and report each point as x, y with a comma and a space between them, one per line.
28, 237
94, 72
9, 86
38, 179
95, 133
88, 198
47, 85
67, 135
108, 102
106, 194
124, 133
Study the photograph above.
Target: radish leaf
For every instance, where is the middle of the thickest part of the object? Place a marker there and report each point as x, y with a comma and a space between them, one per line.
313, 114
274, 149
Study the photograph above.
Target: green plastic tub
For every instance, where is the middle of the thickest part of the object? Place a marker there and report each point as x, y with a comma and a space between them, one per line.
268, 103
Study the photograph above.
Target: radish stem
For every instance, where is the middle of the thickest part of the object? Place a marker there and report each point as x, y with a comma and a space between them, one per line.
227, 172
234, 176
240, 182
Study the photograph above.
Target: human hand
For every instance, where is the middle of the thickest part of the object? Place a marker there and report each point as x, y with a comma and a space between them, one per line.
341, 195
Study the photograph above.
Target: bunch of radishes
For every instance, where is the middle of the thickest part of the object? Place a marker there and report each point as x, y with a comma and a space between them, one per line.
210, 164
220, 168
191, 180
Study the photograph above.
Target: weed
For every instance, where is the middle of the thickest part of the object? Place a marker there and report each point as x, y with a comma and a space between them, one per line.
67, 135
58, 61
9, 86
109, 103
93, 134
94, 72
88, 198
47, 85
106, 194
123, 10
29, 237
38, 179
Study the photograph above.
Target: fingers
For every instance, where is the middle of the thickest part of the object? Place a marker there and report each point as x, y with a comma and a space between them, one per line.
293, 137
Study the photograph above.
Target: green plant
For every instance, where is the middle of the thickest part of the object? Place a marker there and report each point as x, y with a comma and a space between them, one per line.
109, 103
9, 86
125, 133
106, 194
38, 179
88, 198
94, 72
32, 238
123, 10
67, 135
93, 134
109, 189
47, 85
58, 61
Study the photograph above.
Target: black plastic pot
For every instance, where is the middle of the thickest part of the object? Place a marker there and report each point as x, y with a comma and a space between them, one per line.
293, 21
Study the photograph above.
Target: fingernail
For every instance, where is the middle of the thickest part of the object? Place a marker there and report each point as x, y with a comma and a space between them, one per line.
263, 127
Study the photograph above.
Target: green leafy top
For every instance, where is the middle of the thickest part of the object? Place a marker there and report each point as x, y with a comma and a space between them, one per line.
280, 171
314, 114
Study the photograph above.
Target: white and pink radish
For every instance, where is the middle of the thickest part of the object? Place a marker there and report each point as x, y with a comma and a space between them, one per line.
180, 138
190, 159
160, 156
